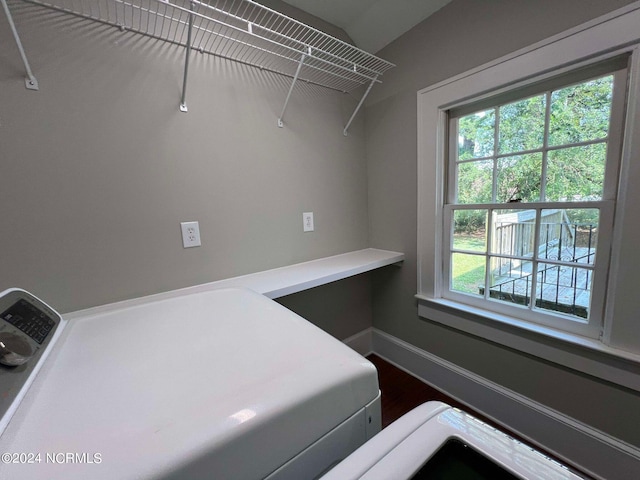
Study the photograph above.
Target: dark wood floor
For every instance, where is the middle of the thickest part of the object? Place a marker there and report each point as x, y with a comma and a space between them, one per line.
402, 392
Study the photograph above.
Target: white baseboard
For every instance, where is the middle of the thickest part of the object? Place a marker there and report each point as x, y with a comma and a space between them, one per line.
592, 451
361, 342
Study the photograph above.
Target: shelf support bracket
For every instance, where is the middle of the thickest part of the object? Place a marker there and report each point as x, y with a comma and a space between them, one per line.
30, 81
295, 79
183, 100
346, 128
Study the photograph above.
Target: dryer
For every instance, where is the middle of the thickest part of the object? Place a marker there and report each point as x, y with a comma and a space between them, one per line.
222, 384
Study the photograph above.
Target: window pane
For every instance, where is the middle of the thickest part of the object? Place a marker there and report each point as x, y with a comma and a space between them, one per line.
476, 135
576, 174
513, 232
519, 178
581, 112
521, 125
475, 182
569, 235
510, 280
564, 289
524, 188
469, 230
467, 273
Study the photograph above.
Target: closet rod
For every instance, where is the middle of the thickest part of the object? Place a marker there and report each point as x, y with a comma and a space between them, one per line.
30, 82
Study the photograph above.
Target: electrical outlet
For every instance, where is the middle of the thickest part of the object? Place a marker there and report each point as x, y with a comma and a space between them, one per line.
190, 234
307, 222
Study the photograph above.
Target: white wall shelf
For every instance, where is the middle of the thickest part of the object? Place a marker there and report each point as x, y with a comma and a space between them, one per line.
239, 30
279, 282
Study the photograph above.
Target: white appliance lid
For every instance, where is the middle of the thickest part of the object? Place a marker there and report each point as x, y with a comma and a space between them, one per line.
401, 449
225, 377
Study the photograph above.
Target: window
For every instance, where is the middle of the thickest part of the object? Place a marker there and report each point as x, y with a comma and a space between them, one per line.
530, 198
467, 176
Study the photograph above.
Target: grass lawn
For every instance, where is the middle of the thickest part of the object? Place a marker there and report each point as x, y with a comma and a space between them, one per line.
468, 270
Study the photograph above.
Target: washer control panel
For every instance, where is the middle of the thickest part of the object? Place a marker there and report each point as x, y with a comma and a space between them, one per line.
29, 319
27, 325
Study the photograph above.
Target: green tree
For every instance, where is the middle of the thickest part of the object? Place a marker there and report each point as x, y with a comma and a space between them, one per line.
577, 114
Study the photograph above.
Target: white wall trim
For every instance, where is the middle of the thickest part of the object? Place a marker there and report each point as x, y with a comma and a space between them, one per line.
594, 452
578, 353
361, 342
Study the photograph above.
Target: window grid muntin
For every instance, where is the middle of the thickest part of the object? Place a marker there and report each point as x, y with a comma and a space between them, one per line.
535, 314
535, 257
606, 205
496, 149
550, 148
545, 145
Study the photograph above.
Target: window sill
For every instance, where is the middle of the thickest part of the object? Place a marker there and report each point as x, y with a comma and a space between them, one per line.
569, 350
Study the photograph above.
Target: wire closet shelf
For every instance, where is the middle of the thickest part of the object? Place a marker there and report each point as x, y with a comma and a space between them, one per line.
243, 31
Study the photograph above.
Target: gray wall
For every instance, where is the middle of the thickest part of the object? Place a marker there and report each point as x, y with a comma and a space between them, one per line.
463, 35
99, 167
340, 308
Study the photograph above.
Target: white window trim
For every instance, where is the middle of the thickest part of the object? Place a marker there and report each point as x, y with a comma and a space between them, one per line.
616, 357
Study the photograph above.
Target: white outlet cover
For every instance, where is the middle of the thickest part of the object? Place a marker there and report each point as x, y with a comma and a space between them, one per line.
190, 234
307, 222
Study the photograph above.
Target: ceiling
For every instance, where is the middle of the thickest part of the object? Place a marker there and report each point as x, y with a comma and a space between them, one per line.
371, 24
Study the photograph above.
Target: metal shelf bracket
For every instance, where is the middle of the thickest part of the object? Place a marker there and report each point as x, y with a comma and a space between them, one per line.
30, 81
183, 100
346, 128
295, 79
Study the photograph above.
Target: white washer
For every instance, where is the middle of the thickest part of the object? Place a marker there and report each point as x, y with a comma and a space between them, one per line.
224, 384
435, 441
